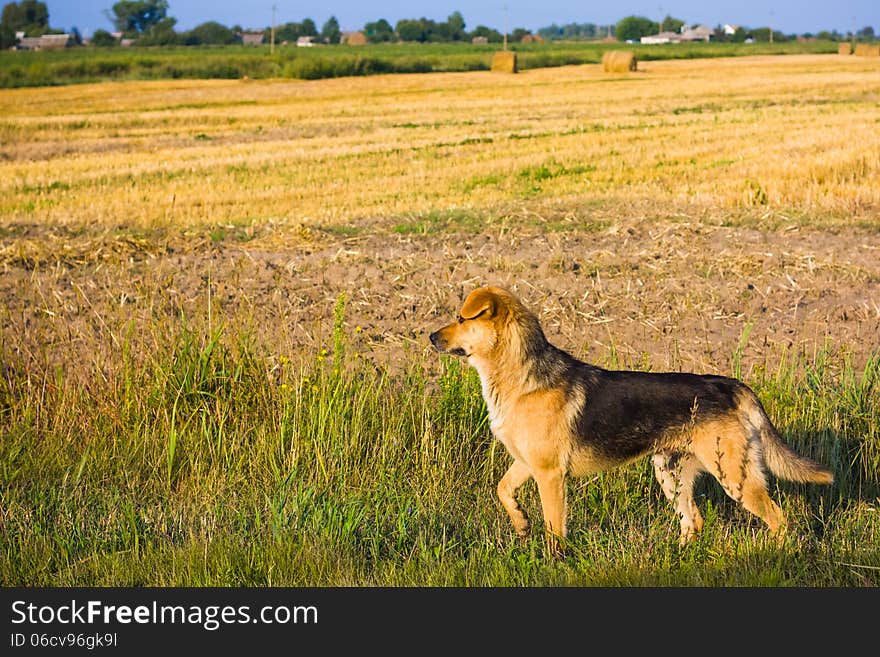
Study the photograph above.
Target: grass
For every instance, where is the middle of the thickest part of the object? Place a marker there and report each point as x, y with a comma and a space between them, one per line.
80, 65
199, 460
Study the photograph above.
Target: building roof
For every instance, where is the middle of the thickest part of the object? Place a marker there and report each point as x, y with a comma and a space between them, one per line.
45, 42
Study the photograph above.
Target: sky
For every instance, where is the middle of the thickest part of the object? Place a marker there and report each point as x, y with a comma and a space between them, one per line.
788, 16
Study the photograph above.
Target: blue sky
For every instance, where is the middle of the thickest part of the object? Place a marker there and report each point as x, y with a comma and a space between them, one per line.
789, 16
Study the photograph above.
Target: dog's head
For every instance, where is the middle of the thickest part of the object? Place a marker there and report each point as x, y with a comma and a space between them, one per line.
479, 324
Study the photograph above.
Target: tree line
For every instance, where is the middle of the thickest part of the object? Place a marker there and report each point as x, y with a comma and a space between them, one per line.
633, 28
148, 23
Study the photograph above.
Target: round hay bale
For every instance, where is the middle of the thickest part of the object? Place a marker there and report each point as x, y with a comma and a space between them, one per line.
619, 61
504, 61
867, 50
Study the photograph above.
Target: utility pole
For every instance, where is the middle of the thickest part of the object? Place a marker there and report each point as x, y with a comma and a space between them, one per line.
771, 26
272, 38
505, 28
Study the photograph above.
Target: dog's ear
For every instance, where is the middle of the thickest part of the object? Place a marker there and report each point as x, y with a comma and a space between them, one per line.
479, 302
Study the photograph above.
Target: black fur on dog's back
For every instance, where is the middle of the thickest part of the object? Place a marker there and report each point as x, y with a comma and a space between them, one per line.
624, 412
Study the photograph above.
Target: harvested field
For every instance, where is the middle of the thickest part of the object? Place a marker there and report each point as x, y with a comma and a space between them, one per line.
717, 139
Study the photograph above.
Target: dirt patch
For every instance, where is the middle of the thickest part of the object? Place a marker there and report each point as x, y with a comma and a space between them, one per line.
661, 294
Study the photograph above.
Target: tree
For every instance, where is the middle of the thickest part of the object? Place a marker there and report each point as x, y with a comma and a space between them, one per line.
411, 30
209, 33
865, 34
456, 26
379, 31
438, 31
633, 28
762, 34
103, 39
739, 36
28, 16
330, 32
671, 24
309, 28
518, 34
289, 32
139, 16
494, 36
160, 34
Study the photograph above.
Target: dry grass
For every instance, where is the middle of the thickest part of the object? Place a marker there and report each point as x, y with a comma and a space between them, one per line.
794, 133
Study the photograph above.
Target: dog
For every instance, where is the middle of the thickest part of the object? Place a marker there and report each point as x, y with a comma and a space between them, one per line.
559, 416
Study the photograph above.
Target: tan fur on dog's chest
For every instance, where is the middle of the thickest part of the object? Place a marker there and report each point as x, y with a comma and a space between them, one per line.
534, 428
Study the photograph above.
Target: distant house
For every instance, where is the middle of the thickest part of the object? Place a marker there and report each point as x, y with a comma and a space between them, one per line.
353, 38
45, 42
699, 33
480, 40
663, 37
305, 42
730, 30
28, 43
252, 38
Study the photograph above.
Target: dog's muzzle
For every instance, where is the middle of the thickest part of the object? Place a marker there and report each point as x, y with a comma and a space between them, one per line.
440, 345
436, 341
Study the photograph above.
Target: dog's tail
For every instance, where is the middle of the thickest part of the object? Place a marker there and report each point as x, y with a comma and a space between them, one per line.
780, 458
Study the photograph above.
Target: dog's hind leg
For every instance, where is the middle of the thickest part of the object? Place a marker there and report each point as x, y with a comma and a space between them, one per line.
734, 456
515, 477
677, 473
756, 499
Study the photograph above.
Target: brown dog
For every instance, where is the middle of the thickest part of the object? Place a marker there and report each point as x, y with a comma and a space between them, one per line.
557, 416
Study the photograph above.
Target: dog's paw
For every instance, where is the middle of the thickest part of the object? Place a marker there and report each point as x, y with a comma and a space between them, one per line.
554, 547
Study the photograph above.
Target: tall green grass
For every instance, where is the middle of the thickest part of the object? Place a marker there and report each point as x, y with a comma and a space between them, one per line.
203, 460
78, 65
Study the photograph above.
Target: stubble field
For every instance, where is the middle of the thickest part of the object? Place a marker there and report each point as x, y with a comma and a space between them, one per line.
216, 297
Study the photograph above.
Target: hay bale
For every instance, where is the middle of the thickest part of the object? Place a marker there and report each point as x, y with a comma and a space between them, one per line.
844, 48
619, 61
868, 49
354, 39
504, 61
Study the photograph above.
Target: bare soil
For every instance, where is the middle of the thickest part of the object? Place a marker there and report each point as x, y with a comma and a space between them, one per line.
660, 294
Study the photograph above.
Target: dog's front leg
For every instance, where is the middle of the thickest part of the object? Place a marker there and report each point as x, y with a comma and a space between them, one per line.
551, 488
516, 476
